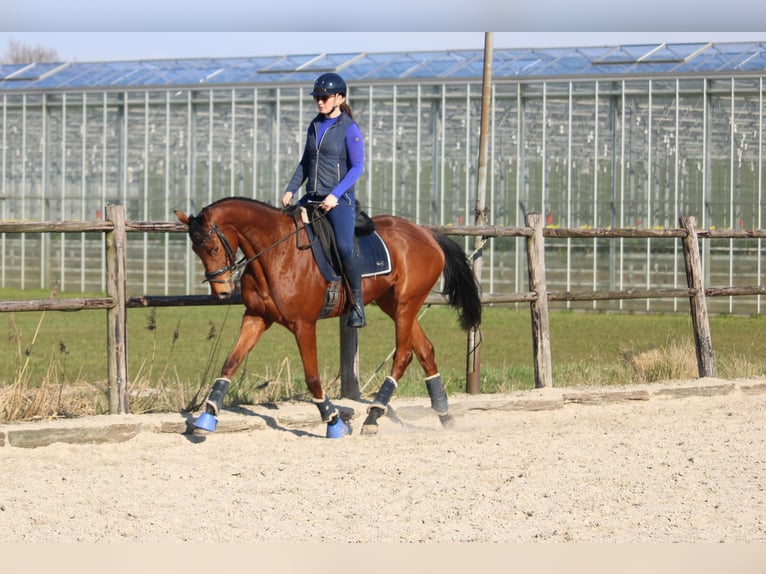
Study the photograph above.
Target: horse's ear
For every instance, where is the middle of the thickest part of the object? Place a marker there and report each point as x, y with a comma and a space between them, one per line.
182, 217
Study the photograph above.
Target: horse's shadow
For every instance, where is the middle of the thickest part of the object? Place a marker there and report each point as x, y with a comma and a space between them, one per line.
196, 436
271, 422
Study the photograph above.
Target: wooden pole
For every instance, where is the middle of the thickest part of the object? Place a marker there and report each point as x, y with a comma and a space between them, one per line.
117, 333
473, 363
349, 360
697, 301
541, 336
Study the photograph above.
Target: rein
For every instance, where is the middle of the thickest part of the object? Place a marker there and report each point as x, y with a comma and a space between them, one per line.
235, 266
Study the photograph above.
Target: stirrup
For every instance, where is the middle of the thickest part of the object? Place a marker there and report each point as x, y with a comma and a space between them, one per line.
356, 317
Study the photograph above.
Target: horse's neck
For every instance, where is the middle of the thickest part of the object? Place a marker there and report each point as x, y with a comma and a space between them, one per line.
260, 228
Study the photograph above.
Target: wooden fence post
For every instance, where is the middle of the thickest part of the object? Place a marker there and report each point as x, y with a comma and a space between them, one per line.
697, 301
117, 332
473, 354
541, 335
349, 360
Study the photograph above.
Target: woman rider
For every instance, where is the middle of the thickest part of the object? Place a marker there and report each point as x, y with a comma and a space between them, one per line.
332, 161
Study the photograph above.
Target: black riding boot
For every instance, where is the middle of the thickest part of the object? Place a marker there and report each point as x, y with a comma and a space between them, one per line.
353, 273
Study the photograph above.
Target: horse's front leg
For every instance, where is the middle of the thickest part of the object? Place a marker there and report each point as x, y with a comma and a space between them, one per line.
305, 337
253, 326
250, 331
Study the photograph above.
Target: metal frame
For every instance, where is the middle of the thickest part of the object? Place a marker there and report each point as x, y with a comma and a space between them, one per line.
590, 151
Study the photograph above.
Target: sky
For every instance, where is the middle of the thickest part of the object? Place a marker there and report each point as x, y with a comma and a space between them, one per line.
404, 15
95, 46
97, 30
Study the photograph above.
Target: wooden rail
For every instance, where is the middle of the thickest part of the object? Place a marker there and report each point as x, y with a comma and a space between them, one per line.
116, 302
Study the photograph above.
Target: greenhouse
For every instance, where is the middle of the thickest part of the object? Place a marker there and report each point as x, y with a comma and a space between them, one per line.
611, 136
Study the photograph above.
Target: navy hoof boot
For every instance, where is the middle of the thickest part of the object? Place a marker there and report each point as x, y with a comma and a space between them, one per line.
336, 428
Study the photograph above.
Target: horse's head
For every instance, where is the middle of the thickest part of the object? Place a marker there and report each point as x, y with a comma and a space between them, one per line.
216, 251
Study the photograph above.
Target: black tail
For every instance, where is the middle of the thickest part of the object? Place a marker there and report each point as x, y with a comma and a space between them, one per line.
460, 285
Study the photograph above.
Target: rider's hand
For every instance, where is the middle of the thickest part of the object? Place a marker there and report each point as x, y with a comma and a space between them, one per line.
286, 198
329, 202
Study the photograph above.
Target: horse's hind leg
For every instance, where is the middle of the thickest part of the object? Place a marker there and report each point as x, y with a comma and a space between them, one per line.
409, 336
402, 358
424, 351
438, 395
379, 405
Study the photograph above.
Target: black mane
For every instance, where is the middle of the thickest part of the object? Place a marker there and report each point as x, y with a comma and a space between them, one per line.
196, 231
239, 198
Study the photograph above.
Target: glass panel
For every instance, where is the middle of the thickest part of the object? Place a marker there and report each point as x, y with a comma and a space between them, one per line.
586, 152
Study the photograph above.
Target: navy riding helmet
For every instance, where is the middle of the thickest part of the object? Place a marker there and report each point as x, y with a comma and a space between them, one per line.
329, 84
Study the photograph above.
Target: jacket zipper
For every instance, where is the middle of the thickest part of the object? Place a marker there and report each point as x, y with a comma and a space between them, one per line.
316, 164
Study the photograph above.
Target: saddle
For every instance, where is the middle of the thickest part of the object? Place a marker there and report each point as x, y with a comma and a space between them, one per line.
374, 257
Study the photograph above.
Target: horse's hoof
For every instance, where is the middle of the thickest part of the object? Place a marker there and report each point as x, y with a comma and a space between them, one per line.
370, 425
447, 421
337, 429
206, 421
346, 414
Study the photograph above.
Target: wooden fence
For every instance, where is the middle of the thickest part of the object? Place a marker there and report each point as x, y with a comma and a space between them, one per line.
116, 302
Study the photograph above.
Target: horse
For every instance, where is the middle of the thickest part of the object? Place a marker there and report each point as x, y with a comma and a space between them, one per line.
280, 282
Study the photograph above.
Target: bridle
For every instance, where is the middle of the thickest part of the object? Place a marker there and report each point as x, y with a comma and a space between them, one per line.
231, 263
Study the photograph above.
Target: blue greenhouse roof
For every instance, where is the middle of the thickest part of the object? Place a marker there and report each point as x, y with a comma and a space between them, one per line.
517, 63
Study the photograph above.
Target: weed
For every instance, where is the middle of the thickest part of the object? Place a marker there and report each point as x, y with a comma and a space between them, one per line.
674, 360
55, 363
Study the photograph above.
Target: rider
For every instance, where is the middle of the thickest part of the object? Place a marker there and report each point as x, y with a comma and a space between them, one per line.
332, 161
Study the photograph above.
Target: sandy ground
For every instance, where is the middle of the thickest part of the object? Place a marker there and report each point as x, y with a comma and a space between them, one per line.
687, 469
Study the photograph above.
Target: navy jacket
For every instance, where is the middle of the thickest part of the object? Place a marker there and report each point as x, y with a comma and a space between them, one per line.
325, 161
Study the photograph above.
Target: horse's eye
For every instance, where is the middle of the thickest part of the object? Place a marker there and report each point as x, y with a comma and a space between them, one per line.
215, 250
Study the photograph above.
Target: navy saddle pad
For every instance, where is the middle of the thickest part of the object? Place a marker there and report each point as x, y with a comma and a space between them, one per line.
374, 256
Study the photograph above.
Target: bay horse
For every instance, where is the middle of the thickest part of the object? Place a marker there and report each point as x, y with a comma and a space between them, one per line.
281, 283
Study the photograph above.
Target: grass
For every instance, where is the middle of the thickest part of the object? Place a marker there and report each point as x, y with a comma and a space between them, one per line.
53, 363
